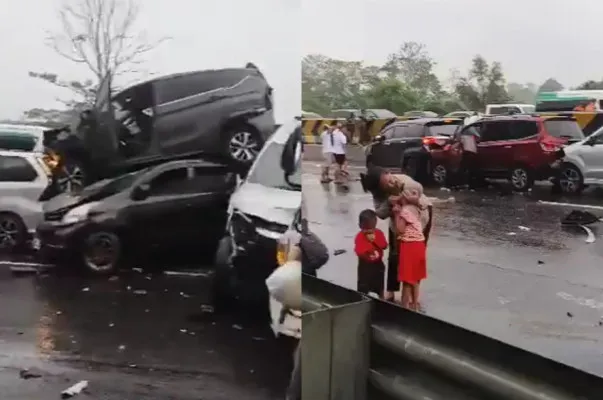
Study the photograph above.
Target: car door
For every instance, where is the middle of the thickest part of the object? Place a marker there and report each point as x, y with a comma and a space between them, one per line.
395, 144
379, 147
491, 150
188, 109
166, 216
522, 145
592, 155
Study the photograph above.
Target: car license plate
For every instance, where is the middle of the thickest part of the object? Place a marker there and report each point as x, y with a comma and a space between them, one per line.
36, 244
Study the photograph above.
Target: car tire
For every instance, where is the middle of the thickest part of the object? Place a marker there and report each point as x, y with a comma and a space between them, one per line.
72, 176
570, 179
521, 178
101, 253
440, 174
242, 144
13, 232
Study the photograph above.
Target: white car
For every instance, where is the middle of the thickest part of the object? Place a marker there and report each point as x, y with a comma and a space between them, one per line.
24, 177
582, 164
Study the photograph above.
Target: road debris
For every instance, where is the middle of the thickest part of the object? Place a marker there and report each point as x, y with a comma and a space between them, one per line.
238, 327
139, 270
86, 289
74, 390
114, 278
140, 292
569, 314
206, 308
524, 228
540, 262
121, 347
590, 236
511, 234
184, 295
28, 374
339, 251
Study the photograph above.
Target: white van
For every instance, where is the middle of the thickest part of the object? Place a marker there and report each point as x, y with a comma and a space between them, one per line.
260, 212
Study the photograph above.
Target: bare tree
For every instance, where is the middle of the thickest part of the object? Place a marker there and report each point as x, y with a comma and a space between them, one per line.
102, 36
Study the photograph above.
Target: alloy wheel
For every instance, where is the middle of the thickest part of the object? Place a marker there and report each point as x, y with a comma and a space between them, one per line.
9, 232
101, 253
243, 146
71, 179
519, 178
439, 174
569, 180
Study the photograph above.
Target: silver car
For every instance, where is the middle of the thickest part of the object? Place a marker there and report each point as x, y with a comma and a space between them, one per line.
23, 179
583, 164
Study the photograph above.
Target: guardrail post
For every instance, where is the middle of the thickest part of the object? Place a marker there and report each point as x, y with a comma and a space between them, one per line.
335, 342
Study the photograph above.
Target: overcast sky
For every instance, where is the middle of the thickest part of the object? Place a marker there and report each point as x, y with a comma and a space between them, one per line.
205, 34
534, 39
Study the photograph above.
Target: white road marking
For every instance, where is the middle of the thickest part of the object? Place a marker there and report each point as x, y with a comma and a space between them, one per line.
591, 303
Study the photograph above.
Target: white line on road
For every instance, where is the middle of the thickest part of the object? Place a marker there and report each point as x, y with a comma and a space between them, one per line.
554, 203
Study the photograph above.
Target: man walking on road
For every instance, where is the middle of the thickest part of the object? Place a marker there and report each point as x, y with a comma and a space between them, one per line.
338, 148
469, 161
327, 141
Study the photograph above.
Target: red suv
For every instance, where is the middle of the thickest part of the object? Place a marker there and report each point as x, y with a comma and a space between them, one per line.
520, 148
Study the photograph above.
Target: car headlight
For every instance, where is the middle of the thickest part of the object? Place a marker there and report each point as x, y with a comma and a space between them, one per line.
78, 214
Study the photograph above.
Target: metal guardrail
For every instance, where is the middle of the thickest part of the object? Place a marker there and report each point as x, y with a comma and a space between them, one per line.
414, 356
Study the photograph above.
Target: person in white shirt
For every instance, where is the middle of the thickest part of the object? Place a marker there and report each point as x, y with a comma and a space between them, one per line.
327, 141
340, 140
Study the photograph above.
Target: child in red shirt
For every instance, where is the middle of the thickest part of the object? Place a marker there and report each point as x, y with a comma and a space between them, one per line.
369, 245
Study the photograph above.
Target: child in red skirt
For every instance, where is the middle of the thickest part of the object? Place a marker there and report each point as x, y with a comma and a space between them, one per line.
412, 267
369, 245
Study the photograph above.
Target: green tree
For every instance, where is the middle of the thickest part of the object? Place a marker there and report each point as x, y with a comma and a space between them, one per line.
413, 65
394, 95
550, 85
101, 36
329, 84
590, 85
521, 93
484, 84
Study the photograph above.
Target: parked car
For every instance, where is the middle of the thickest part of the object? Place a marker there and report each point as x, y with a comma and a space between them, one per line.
226, 114
407, 144
24, 178
520, 148
166, 209
260, 212
583, 164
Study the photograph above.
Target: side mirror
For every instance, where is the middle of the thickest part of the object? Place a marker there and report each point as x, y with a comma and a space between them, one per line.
292, 152
141, 192
379, 138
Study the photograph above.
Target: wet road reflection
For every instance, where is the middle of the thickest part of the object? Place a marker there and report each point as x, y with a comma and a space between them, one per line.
138, 322
498, 263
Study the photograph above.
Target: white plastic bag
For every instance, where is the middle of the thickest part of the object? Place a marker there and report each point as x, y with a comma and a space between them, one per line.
284, 285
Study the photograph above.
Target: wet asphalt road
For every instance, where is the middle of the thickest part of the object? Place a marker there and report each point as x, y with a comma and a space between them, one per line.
539, 288
134, 336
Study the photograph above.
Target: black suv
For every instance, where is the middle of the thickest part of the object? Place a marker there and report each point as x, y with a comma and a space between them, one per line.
226, 113
406, 145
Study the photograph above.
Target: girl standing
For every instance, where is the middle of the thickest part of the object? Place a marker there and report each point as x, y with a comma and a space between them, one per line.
369, 245
412, 266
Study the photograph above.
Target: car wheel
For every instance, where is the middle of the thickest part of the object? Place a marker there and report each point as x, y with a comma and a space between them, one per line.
71, 177
101, 253
570, 180
13, 233
243, 144
439, 174
521, 178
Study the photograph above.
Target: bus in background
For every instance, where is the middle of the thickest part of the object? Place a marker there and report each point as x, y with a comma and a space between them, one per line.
570, 100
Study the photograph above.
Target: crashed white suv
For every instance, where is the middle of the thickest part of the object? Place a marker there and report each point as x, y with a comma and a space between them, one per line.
24, 177
582, 164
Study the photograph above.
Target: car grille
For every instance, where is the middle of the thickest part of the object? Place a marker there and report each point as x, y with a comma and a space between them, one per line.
271, 226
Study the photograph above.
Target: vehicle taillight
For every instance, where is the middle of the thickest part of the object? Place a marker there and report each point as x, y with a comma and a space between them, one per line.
549, 147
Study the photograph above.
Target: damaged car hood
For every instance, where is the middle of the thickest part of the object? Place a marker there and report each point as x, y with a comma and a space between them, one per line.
274, 205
